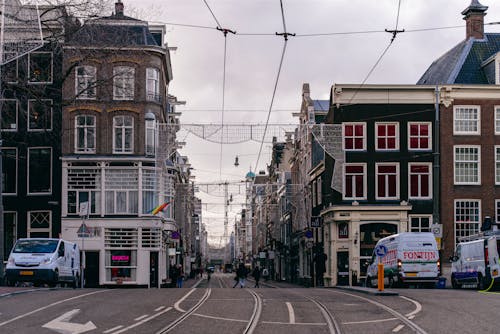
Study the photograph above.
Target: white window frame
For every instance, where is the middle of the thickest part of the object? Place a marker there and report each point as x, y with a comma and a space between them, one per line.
51, 170
455, 220
456, 130
497, 211
153, 79
497, 119
85, 128
354, 136
16, 225
17, 116
478, 147
51, 115
397, 196
344, 176
17, 169
429, 124
419, 217
128, 209
150, 131
39, 230
30, 55
123, 129
88, 79
429, 165
123, 76
497, 164
396, 136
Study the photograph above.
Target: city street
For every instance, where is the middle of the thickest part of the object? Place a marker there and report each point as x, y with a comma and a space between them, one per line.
215, 307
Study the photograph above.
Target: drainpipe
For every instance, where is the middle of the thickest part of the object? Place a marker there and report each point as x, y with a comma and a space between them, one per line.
436, 170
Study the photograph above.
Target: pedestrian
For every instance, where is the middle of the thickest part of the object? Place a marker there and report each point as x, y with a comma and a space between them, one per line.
241, 275
180, 277
174, 274
256, 276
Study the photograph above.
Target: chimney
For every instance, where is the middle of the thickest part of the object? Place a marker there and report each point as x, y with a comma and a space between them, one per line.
474, 18
119, 8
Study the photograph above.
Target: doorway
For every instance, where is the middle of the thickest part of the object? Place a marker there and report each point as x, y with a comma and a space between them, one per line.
91, 269
342, 268
153, 269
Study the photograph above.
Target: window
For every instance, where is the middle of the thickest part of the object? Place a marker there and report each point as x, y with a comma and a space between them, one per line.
497, 211
10, 69
122, 191
354, 181
343, 231
497, 120
466, 120
39, 170
84, 185
76, 197
150, 137
9, 171
320, 190
10, 232
85, 83
121, 265
123, 134
85, 138
40, 67
40, 115
420, 223
153, 84
123, 83
467, 218
419, 136
8, 116
39, 224
467, 164
386, 136
497, 164
420, 180
354, 135
387, 184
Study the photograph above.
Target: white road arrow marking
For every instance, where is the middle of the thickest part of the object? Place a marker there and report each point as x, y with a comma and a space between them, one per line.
63, 326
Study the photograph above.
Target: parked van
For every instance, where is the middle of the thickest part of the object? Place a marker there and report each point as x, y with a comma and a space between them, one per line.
476, 262
44, 260
412, 257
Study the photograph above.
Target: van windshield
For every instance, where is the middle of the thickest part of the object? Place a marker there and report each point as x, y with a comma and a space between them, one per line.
35, 246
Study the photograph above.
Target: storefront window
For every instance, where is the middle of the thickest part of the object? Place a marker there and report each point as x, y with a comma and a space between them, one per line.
121, 265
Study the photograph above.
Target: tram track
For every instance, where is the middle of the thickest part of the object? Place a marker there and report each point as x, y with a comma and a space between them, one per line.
188, 313
257, 311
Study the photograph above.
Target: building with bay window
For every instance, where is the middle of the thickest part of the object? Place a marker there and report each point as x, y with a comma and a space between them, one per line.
118, 142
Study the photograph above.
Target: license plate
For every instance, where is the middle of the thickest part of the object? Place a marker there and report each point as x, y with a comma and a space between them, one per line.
26, 273
411, 274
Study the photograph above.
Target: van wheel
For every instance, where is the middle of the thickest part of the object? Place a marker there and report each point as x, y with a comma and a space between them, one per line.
455, 284
9, 282
483, 282
37, 284
55, 281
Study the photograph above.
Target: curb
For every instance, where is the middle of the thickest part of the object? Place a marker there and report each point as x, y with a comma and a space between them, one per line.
368, 291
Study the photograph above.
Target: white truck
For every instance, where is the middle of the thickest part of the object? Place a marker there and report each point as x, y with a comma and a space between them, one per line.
44, 261
411, 258
476, 262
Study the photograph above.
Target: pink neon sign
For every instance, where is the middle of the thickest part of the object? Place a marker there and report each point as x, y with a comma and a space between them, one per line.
121, 258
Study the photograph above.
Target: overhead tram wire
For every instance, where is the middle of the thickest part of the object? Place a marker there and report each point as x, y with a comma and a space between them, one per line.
285, 35
394, 33
224, 32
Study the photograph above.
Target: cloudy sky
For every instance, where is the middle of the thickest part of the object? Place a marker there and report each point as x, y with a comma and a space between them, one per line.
253, 57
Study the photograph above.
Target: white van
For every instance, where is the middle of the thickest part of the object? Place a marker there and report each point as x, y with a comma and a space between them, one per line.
412, 257
476, 262
44, 260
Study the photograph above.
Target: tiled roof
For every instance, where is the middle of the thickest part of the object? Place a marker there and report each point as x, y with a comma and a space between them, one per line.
463, 63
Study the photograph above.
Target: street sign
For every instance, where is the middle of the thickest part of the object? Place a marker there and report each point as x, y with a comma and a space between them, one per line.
437, 229
316, 221
381, 250
84, 209
309, 244
308, 234
83, 231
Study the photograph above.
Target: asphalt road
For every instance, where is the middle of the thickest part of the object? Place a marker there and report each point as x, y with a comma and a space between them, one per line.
215, 307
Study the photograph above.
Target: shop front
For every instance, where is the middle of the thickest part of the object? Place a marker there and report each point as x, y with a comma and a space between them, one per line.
350, 236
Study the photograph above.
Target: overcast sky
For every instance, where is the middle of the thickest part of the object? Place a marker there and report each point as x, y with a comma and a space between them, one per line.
252, 63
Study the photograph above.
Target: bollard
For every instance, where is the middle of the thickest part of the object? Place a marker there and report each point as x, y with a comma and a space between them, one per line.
380, 276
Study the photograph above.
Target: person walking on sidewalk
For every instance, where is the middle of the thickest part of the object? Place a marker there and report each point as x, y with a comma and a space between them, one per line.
241, 275
256, 276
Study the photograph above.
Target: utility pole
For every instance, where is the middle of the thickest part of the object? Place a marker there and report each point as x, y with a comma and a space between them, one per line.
226, 210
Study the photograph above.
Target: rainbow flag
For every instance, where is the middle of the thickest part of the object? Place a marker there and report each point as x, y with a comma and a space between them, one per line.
159, 208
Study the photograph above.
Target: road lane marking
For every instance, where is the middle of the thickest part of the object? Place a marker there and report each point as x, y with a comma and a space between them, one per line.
398, 328
291, 314
47, 306
63, 325
218, 318
141, 317
178, 303
143, 321
417, 309
159, 308
297, 323
113, 329
368, 321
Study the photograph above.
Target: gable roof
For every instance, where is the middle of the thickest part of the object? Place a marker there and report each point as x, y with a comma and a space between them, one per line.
463, 64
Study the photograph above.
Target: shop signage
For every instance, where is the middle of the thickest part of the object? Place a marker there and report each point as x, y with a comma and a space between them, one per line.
120, 258
316, 221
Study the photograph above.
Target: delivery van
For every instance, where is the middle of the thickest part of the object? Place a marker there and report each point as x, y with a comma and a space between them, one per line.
44, 261
476, 262
410, 258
